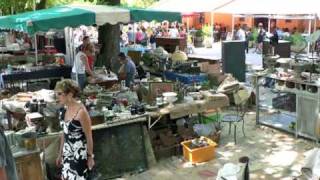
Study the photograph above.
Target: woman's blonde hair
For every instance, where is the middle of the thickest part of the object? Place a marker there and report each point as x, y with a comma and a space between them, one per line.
68, 86
89, 48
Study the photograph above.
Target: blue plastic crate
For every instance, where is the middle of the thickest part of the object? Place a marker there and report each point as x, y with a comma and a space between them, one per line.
186, 78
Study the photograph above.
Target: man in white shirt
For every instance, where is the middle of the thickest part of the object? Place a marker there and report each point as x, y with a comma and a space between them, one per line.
240, 34
174, 32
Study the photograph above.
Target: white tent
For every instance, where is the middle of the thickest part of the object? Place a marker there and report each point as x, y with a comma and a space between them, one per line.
106, 14
186, 6
274, 9
278, 7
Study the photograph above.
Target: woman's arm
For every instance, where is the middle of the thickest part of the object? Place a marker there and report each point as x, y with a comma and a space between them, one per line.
84, 60
86, 126
59, 158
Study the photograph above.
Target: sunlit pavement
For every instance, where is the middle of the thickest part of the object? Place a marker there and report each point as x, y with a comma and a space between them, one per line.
273, 155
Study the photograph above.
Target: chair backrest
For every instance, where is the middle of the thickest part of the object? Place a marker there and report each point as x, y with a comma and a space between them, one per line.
241, 98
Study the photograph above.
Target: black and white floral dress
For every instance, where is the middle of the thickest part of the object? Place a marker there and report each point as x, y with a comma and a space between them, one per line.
74, 161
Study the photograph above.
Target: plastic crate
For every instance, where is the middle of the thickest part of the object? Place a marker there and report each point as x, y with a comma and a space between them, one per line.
201, 154
186, 78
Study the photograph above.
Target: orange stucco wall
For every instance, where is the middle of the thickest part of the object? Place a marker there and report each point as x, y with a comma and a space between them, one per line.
226, 19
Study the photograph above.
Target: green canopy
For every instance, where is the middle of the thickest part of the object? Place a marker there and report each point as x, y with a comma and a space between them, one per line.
76, 15
64, 16
137, 14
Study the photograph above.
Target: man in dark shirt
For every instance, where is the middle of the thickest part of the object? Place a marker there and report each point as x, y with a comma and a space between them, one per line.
7, 164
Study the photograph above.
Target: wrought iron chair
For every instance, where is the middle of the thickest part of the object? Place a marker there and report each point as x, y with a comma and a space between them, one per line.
241, 105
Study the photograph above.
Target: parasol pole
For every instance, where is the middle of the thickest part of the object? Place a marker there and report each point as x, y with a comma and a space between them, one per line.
36, 48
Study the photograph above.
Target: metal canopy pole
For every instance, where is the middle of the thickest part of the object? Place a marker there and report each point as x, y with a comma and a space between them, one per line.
73, 55
269, 23
232, 28
309, 33
315, 23
212, 26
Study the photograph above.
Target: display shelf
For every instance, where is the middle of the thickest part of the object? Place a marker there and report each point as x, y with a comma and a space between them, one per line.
303, 113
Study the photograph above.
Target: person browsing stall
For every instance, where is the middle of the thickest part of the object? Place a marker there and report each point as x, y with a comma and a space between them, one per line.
81, 67
85, 42
127, 70
7, 165
76, 146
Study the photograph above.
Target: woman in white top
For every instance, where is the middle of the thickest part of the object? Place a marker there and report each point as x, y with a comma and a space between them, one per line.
80, 67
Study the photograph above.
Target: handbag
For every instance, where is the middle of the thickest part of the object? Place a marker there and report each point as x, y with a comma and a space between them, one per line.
93, 174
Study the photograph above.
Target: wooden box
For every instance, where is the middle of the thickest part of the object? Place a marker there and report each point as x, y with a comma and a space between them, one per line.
29, 167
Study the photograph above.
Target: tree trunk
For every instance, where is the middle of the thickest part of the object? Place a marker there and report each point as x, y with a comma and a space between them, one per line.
109, 39
41, 5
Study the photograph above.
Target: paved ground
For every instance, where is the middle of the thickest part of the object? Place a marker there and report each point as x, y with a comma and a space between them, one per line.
273, 155
252, 58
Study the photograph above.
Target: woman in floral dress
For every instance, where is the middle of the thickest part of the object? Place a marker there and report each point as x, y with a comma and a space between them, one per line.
76, 149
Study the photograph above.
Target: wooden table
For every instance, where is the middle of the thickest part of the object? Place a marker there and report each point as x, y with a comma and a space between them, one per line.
119, 147
104, 80
194, 107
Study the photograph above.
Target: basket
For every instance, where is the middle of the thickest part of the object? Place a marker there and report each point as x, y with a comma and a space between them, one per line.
201, 154
215, 137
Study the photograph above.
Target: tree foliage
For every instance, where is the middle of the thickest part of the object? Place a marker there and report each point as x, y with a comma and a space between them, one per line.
15, 6
138, 3
18, 6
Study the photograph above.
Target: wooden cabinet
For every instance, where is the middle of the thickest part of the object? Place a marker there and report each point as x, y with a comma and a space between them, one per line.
170, 44
29, 166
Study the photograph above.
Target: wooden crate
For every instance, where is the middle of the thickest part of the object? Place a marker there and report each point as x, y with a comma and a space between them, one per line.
29, 167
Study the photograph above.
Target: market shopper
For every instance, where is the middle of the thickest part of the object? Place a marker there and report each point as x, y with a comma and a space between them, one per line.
76, 147
240, 33
88, 47
139, 36
127, 70
7, 164
85, 42
248, 38
260, 38
90, 55
130, 35
81, 67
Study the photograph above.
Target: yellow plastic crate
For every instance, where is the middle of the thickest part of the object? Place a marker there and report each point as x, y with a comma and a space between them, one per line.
201, 154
